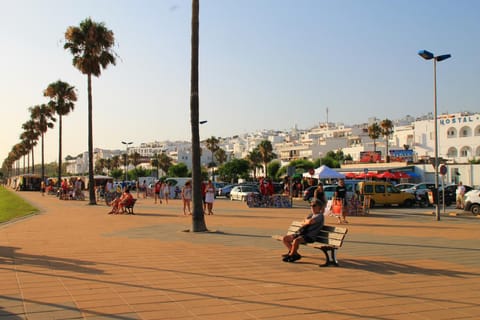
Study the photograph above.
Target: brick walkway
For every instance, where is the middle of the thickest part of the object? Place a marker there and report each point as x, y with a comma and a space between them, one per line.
73, 261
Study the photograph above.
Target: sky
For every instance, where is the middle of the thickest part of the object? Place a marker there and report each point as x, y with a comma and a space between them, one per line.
264, 64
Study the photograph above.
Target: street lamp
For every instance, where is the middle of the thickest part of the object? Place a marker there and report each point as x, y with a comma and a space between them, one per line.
126, 153
427, 55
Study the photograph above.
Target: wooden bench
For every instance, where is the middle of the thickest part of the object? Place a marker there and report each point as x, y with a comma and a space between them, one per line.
129, 209
329, 240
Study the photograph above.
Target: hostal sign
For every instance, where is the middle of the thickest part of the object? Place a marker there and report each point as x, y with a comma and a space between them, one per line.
451, 119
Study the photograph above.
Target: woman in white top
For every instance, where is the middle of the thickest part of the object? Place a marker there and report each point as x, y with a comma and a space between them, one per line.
187, 197
209, 196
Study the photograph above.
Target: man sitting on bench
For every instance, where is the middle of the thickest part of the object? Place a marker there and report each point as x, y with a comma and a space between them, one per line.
310, 228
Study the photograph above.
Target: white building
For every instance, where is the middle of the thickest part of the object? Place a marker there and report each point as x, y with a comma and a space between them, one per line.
458, 137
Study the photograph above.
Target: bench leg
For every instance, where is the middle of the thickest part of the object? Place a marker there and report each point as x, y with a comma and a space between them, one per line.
330, 259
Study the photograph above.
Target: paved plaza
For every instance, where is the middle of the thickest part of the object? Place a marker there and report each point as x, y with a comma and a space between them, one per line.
74, 261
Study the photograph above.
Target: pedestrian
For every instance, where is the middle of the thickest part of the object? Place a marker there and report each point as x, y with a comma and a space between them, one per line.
209, 196
341, 194
460, 195
187, 198
157, 188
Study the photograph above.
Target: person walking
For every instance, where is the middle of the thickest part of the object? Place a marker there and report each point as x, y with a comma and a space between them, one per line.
157, 188
460, 195
341, 194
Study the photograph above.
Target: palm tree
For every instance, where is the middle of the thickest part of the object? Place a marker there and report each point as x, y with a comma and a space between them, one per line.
154, 162
266, 152
374, 132
212, 145
387, 130
115, 162
91, 46
198, 219
30, 138
254, 158
164, 162
62, 97
220, 156
43, 117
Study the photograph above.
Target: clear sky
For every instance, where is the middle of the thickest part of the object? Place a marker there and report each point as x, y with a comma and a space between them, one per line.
264, 64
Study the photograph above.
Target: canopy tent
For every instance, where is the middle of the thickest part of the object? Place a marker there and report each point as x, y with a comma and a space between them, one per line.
325, 172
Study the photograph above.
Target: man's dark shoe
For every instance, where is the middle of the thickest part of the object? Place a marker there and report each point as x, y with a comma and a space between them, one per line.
295, 257
286, 259
285, 255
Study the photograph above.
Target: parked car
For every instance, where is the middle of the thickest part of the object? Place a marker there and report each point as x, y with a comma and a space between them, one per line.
385, 193
329, 190
225, 190
451, 193
241, 192
420, 188
403, 186
472, 201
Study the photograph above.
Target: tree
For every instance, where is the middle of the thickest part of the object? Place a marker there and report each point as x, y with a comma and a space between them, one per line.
234, 169
212, 145
374, 132
178, 170
91, 46
30, 137
266, 152
62, 97
220, 156
44, 119
135, 159
273, 168
198, 218
115, 162
254, 159
164, 162
387, 130
154, 162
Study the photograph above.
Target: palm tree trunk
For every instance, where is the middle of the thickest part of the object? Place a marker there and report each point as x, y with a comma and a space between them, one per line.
43, 159
91, 180
33, 162
59, 182
198, 218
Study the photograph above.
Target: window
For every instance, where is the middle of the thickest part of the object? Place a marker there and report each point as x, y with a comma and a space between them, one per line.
465, 132
380, 188
452, 152
368, 188
451, 133
465, 152
477, 131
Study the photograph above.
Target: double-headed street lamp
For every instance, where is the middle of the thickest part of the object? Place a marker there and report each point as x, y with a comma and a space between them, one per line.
126, 153
427, 55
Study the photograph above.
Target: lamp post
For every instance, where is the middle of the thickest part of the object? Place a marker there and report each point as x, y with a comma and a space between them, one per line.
427, 55
126, 153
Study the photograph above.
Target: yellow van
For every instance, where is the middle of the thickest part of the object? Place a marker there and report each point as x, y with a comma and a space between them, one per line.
381, 192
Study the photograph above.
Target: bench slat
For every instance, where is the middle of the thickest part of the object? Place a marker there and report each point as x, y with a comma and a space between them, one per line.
330, 235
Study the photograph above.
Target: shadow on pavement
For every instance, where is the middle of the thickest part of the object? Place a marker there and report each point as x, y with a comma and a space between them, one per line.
390, 268
11, 256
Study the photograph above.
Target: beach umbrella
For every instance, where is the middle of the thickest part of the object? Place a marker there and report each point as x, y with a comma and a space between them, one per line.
401, 175
386, 175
